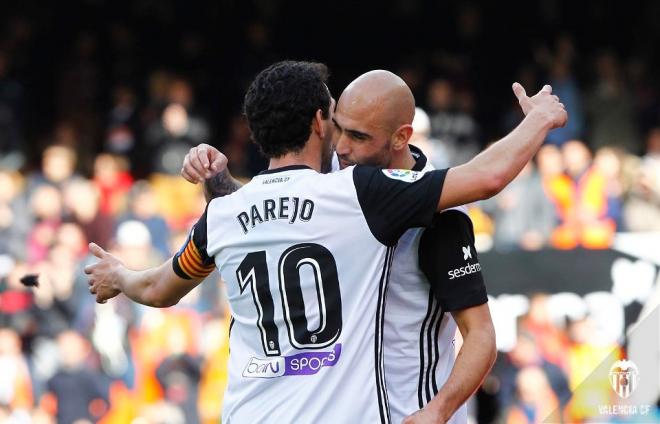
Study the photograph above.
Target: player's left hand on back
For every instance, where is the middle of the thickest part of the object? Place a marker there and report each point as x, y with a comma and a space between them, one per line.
103, 274
423, 416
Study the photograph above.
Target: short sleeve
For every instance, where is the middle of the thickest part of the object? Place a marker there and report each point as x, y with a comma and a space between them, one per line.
449, 260
192, 260
395, 200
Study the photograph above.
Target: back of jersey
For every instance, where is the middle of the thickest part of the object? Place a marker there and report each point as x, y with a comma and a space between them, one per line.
305, 257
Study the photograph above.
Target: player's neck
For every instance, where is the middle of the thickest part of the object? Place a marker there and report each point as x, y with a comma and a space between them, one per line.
402, 159
304, 157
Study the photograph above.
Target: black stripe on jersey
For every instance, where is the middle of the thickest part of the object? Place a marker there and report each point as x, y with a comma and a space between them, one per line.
382, 325
436, 344
422, 331
383, 405
429, 354
431, 350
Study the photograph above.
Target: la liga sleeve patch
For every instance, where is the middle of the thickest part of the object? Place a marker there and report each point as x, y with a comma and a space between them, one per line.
404, 175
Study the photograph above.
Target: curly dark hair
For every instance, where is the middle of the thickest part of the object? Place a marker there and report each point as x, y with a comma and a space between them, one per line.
281, 102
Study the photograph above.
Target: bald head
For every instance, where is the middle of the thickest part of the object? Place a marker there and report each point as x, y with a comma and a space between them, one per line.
381, 97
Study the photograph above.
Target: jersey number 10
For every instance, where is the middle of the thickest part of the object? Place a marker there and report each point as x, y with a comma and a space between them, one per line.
253, 272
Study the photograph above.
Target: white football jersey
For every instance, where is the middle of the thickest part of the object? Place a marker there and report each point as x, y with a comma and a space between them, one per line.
306, 258
419, 330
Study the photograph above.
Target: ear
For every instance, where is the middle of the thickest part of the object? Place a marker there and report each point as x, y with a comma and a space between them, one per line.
401, 136
317, 124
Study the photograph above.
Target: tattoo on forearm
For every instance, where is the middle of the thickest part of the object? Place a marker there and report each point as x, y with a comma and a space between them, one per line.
220, 185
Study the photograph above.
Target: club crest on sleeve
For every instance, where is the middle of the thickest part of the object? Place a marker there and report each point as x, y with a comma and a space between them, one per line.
404, 175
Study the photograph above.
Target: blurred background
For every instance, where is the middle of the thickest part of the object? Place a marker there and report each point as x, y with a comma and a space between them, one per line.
100, 100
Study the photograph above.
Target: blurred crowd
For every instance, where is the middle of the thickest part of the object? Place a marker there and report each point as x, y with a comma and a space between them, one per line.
550, 374
91, 143
70, 359
598, 175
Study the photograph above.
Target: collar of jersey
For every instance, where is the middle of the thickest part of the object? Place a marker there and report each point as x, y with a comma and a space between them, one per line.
284, 168
420, 158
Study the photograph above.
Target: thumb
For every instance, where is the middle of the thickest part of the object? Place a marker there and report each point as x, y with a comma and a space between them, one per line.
519, 91
219, 162
97, 251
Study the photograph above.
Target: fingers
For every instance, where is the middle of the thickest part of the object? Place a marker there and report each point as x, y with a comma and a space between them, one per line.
547, 89
97, 251
218, 161
196, 166
519, 91
191, 169
203, 157
202, 162
185, 170
190, 177
565, 119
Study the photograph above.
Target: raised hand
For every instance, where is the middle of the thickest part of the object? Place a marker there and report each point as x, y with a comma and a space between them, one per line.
203, 162
103, 274
543, 102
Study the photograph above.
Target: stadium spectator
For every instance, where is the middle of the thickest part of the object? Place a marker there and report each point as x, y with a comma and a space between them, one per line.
16, 300
14, 221
179, 374
96, 224
535, 399
526, 354
168, 139
581, 196
586, 352
113, 181
551, 340
143, 207
78, 392
46, 205
435, 150
58, 164
608, 161
610, 107
523, 215
123, 123
452, 126
565, 85
642, 209
15, 384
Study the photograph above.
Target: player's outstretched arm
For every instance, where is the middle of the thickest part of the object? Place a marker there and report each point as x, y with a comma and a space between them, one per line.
474, 361
493, 169
159, 287
207, 165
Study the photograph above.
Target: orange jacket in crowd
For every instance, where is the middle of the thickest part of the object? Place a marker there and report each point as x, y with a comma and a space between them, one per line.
582, 209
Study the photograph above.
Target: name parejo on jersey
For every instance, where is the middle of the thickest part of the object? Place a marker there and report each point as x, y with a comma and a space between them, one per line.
290, 208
